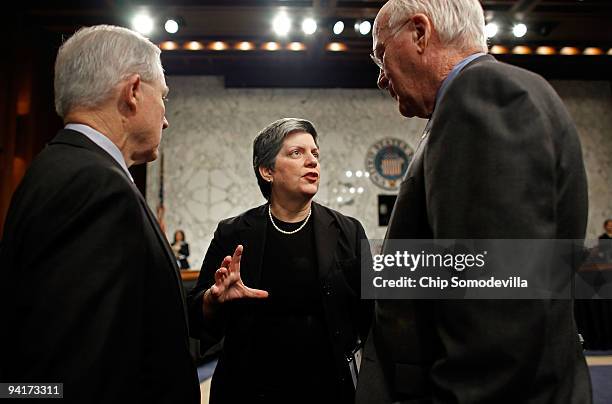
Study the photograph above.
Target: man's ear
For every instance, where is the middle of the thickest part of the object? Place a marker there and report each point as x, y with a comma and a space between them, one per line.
266, 173
131, 92
422, 31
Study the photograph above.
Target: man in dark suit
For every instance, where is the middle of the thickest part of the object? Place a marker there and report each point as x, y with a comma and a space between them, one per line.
90, 292
499, 159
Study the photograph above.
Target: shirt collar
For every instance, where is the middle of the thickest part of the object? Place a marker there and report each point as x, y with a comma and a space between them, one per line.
103, 142
451, 76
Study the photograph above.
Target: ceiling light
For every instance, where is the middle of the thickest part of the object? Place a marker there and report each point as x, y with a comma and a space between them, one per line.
168, 45
281, 24
499, 50
545, 50
519, 30
521, 50
171, 26
592, 51
569, 50
244, 46
338, 27
271, 46
309, 26
491, 29
336, 47
194, 45
296, 46
142, 23
218, 46
363, 27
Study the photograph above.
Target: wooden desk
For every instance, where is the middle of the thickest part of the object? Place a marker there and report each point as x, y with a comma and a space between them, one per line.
190, 274
595, 266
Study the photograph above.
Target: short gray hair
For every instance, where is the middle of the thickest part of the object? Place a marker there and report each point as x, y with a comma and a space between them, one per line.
269, 142
95, 59
457, 22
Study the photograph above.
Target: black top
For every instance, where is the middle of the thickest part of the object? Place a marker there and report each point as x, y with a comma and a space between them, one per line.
338, 253
290, 323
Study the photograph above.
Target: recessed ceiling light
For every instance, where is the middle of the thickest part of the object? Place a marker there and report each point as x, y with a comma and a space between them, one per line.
142, 23
338, 27
281, 24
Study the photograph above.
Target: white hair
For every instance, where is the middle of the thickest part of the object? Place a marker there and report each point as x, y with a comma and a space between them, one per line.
458, 22
95, 59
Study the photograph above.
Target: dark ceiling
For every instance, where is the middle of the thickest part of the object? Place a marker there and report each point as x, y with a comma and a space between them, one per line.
555, 23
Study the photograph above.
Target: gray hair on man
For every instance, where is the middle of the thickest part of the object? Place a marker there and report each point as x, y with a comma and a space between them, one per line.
268, 143
95, 59
458, 22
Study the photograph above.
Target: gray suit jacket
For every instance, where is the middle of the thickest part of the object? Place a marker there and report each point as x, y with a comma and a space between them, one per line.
501, 160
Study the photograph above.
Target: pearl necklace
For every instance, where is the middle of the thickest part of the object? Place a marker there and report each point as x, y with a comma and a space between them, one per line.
285, 231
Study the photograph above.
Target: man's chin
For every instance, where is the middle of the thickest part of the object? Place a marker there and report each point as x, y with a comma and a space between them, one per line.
406, 111
147, 157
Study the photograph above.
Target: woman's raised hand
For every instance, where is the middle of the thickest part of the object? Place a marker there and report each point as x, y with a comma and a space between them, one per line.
228, 283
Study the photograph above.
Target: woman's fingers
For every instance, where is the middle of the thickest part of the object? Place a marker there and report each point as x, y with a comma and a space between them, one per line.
255, 293
235, 265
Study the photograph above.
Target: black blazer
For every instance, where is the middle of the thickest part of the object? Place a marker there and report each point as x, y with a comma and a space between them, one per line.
502, 159
338, 248
90, 292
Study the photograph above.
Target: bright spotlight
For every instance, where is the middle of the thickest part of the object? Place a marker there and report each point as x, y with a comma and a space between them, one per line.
365, 27
281, 24
338, 27
491, 29
142, 23
519, 30
309, 26
171, 26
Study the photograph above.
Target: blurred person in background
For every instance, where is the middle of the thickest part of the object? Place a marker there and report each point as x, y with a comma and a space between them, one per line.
180, 247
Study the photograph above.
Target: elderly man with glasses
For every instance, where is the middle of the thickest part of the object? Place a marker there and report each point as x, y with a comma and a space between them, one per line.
499, 159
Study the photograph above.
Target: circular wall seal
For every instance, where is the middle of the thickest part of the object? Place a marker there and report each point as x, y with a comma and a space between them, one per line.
387, 161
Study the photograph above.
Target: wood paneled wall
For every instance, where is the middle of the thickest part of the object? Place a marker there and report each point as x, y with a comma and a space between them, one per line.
27, 117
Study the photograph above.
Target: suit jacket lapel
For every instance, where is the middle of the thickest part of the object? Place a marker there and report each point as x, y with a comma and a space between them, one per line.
326, 237
253, 235
161, 237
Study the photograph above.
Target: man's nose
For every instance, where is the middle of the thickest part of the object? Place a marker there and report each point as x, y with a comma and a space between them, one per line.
165, 124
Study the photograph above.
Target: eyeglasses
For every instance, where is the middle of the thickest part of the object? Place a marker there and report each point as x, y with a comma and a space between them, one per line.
378, 60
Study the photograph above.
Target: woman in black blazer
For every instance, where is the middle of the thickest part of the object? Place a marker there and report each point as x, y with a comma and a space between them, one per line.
180, 247
281, 283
